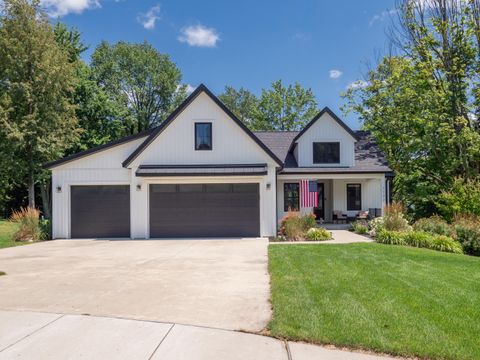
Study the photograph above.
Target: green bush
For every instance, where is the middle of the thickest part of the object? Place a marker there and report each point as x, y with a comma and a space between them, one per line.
390, 237
46, 229
467, 230
462, 198
308, 221
318, 234
360, 227
446, 244
420, 239
434, 225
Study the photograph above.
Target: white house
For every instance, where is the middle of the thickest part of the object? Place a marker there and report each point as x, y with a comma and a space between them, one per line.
202, 173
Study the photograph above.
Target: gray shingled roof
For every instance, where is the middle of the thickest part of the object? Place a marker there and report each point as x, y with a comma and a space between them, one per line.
368, 157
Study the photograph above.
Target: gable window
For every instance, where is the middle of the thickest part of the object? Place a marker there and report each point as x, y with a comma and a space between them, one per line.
203, 136
326, 152
354, 197
291, 196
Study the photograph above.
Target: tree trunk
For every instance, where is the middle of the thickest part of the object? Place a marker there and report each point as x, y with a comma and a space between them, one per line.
31, 190
46, 200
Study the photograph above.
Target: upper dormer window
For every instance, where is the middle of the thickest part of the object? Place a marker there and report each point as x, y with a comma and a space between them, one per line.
326, 152
203, 136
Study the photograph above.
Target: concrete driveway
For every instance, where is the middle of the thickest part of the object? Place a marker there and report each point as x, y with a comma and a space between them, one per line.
215, 283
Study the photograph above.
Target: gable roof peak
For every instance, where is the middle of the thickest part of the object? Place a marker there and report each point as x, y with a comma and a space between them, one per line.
200, 89
334, 116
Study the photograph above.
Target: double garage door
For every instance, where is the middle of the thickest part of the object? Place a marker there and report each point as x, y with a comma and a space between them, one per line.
176, 211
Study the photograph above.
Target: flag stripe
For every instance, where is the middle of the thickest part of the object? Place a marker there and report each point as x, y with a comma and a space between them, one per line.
308, 198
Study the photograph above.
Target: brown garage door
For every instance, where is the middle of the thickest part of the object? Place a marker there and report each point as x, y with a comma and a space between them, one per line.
100, 211
204, 210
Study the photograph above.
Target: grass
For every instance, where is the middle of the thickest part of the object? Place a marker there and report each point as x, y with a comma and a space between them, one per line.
391, 299
7, 229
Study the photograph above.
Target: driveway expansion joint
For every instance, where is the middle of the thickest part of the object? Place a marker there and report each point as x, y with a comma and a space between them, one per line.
33, 332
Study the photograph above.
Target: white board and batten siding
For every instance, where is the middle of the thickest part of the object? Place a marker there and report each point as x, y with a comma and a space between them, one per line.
101, 168
174, 146
230, 145
325, 129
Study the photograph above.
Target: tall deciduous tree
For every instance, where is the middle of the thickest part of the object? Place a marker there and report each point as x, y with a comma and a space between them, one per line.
241, 102
98, 116
422, 104
38, 121
144, 83
284, 107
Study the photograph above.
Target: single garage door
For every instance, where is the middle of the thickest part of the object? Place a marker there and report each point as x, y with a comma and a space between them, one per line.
204, 210
100, 211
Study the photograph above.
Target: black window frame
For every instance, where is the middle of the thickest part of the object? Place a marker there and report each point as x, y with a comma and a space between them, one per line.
287, 205
354, 208
211, 138
328, 160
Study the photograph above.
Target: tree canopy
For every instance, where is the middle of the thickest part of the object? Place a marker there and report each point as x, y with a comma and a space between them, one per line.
279, 107
37, 119
144, 84
422, 102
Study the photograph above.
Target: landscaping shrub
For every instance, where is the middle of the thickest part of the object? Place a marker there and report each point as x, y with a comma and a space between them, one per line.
308, 221
462, 198
46, 228
295, 226
29, 228
294, 229
390, 237
467, 228
434, 225
446, 244
420, 239
360, 227
394, 218
376, 225
318, 234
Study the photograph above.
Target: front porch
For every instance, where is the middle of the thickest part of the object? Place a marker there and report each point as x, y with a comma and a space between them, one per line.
341, 198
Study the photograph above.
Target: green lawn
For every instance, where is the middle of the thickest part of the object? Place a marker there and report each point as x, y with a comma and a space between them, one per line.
386, 298
7, 229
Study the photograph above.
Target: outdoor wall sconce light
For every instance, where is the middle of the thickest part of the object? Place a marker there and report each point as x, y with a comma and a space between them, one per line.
269, 186
59, 189
139, 187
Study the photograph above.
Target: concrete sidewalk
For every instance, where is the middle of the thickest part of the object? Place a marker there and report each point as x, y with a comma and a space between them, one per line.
33, 335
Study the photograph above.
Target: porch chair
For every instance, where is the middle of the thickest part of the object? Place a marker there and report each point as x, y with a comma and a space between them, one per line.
339, 216
363, 215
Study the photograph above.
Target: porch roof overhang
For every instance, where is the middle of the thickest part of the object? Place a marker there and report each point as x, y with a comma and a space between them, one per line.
334, 170
202, 170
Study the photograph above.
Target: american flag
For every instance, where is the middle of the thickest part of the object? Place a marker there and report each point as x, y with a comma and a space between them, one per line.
308, 194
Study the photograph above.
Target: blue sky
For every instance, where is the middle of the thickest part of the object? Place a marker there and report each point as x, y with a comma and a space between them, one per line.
321, 44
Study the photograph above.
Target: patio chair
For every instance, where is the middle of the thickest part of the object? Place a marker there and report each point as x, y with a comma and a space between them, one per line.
363, 215
339, 216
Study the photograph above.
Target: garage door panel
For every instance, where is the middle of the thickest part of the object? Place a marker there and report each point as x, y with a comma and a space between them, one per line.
204, 210
100, 211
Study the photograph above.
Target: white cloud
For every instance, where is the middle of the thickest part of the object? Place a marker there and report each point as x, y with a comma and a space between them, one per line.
335, 74
384, 15
199, 35
57, 8
149, 18
190, 89
358, 84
